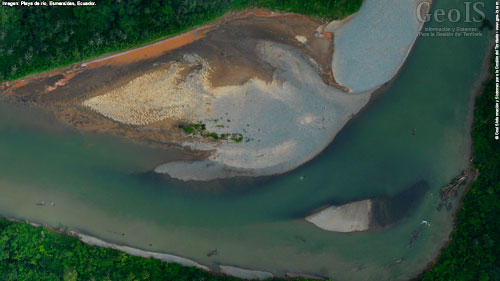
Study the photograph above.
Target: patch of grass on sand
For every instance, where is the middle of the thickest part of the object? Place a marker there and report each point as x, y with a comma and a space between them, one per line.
201, 130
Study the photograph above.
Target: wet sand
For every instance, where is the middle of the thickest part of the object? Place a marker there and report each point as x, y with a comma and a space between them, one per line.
370, 214
245, 273
220, 269
370, 49
259, 84
350, 217
230, 51
406, 270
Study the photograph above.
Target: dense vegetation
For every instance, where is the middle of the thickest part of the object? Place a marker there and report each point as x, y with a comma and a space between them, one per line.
34, 39
36, 253
39, 38
474, 252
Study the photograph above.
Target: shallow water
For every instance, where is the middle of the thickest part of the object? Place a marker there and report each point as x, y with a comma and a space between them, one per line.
367, 54
100, 185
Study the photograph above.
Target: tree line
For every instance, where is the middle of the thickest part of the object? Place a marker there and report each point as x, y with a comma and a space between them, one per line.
38, 38
474, 251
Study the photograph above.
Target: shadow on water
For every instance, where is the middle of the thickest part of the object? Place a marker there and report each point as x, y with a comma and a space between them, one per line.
393, 209
386, 210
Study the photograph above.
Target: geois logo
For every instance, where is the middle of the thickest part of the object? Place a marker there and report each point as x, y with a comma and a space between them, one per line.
473, 13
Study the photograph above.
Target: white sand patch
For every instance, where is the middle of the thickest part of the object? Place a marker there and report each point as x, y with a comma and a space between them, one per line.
301, 39
308, 119
245, 273
140, 253
303, 276
284, 123
350, 217
157, 96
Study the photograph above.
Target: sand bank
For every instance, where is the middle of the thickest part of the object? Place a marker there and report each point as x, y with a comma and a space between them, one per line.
153, 50
350, 217
273, 88
245, 273
372, 45
303, 276
225, 269
284, 123
370, 214
297, 116
140, 253
94, 241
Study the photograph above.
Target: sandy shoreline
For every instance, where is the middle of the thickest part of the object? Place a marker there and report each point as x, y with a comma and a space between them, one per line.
219, 167
150, 252
486, 73
351, 217
367, 51
94, 241
265, 113
218, 87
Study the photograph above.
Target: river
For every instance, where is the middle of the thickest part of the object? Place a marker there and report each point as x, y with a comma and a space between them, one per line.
102, 185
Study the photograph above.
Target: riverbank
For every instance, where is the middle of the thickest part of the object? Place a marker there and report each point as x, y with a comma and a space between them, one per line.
224, 164
125, 199
60, 251
196, 92
60, 236
477, 197
210, 67
107, 33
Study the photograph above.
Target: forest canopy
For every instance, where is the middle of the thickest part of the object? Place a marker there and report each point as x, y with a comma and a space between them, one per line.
38, 38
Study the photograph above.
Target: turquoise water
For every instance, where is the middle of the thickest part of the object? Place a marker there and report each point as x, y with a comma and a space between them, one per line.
101, 185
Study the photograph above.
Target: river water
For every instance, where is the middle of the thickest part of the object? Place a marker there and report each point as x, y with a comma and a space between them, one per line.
102, 186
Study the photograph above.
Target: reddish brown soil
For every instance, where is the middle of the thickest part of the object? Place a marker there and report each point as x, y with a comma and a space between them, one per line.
229, 45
